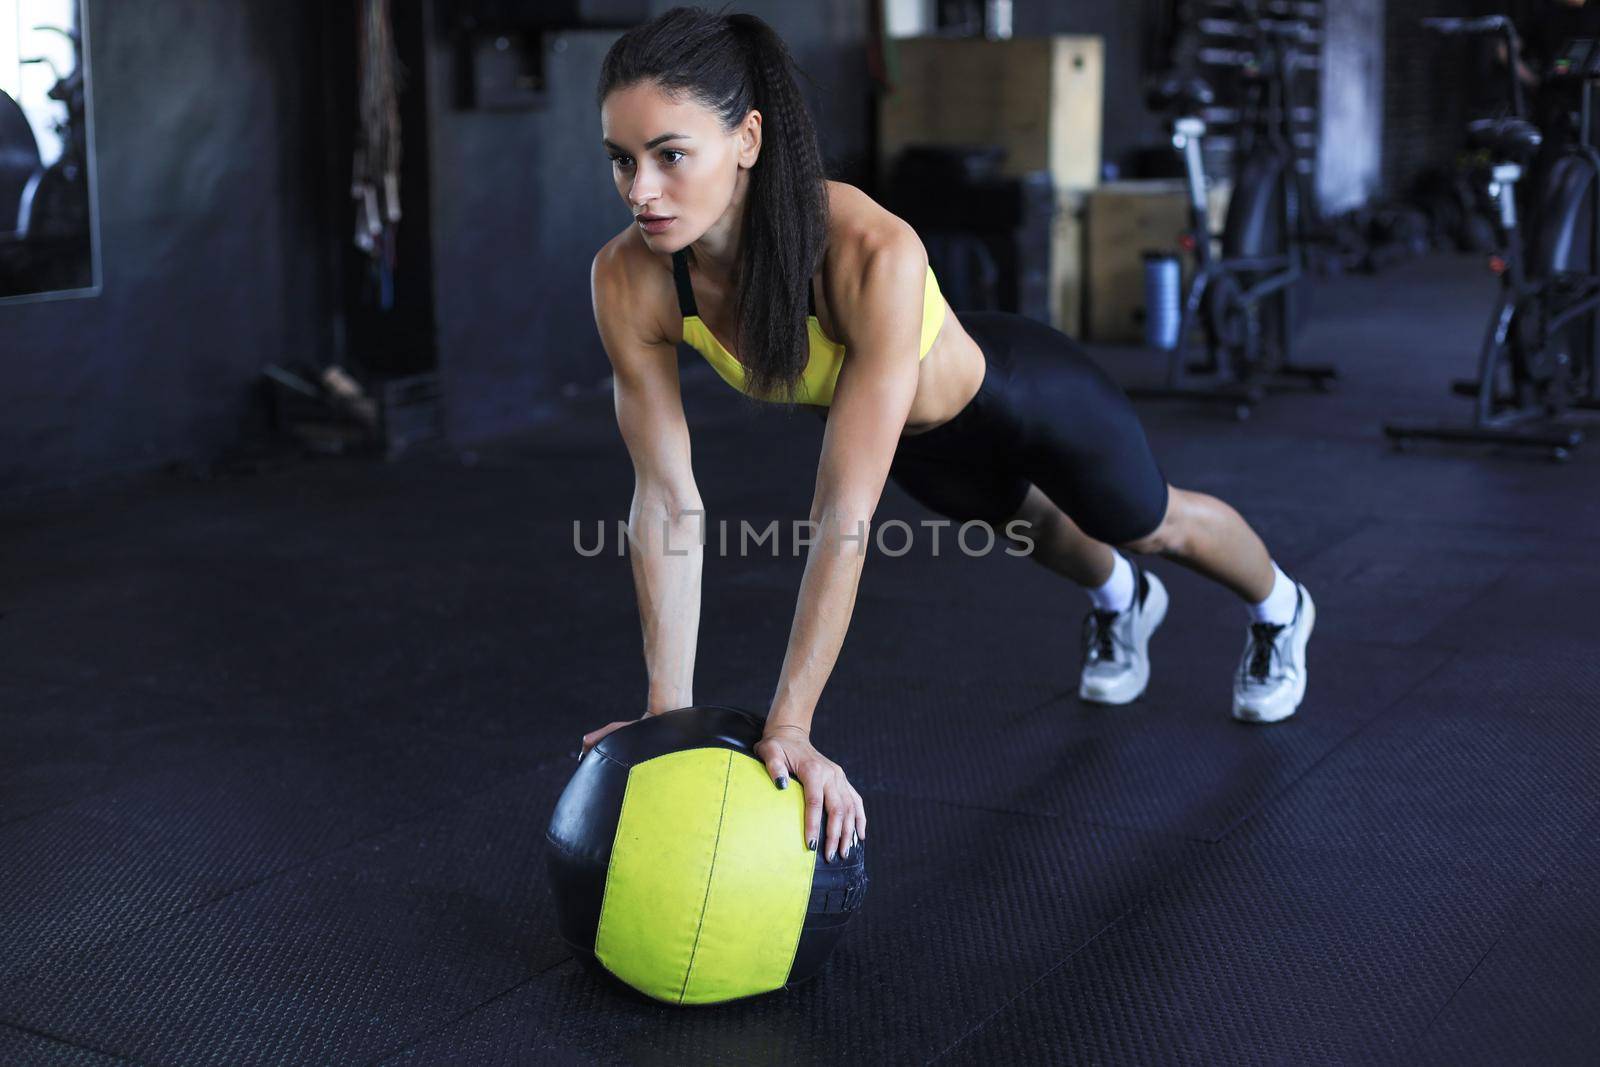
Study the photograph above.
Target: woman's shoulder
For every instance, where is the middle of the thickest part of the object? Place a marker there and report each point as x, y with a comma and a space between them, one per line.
859, 228
628, 278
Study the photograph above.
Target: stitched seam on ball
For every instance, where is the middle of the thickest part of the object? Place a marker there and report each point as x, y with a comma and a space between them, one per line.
800, 927
605, 891
711, 875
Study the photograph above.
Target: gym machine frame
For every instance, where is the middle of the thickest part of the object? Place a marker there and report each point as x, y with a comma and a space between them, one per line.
1229, 295
1538, 355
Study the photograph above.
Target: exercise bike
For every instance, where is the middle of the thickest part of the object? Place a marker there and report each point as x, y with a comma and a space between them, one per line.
1537, 362
1245, 301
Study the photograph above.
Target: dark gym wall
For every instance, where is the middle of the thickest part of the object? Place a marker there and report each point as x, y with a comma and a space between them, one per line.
1423, 120
523, 200
208, 245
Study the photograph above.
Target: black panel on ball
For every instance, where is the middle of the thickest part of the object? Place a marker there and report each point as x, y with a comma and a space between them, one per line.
578, 846
837, 890
578, 843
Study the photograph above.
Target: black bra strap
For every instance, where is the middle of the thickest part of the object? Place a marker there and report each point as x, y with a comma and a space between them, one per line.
686, 304
680, 275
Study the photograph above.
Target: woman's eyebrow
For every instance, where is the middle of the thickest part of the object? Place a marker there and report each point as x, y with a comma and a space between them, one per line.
650, 143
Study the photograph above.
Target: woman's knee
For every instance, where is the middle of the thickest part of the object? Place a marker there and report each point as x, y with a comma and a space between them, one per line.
1170, 535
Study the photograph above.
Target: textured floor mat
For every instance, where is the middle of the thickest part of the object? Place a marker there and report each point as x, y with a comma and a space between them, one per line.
1008, 894
1549, 948
1254, 955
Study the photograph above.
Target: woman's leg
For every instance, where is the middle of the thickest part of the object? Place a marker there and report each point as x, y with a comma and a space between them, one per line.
1209, 537
1051, 440
1094, 482
1059, 545
1200, 532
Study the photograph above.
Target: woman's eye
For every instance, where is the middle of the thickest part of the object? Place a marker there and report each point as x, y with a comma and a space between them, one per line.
627, 161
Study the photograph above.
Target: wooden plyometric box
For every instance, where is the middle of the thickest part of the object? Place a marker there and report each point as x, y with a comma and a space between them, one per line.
1066, 263
1039, 98
1123, 221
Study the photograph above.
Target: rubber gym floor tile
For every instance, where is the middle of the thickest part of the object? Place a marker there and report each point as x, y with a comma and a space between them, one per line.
1536, 609
1535, 997
1517, 535
1019, 741
964, 910
304, 661
745, 629
131, 858
1255, 955
1361, 478
332, 961
28, 1049
1490, 762
67, 742
1399, 597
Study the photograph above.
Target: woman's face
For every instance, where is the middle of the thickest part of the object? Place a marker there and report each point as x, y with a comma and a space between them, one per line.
672, 158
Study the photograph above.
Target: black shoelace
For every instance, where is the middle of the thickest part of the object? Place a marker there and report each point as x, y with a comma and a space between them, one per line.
1097, 643
1263, 643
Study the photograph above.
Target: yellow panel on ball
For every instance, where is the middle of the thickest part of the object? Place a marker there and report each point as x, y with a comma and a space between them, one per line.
709, 878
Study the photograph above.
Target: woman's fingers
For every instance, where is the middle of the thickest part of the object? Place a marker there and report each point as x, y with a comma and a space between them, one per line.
839, 813
594, 737
813, 786
777, 762
835, 818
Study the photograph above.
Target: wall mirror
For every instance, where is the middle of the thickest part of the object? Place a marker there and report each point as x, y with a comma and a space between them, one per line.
49, 241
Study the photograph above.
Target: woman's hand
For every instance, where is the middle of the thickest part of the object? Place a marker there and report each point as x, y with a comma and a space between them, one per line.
593, 737
787, 752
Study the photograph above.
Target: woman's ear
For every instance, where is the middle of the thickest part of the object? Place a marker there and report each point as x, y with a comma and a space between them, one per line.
750, 140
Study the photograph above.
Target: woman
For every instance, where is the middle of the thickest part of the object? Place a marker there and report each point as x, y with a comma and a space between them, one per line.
990, 416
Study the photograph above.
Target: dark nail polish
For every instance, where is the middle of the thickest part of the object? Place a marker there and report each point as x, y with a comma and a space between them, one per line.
783, 782
812, 845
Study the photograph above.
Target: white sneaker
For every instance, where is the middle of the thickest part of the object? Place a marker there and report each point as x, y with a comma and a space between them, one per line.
1271, 679
1116, 644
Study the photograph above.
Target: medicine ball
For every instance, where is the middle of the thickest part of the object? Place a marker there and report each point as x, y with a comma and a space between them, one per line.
679, 868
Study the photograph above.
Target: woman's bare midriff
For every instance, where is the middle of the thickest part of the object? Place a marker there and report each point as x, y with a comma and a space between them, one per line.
948, 378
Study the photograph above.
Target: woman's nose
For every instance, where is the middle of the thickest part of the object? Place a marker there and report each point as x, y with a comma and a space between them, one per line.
642, 192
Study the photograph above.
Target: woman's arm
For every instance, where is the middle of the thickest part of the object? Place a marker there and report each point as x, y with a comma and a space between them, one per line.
871, 400
666, 518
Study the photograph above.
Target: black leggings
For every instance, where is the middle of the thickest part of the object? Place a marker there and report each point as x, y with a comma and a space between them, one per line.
1045, 414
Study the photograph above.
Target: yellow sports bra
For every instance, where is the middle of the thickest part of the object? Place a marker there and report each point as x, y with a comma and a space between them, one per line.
822, 368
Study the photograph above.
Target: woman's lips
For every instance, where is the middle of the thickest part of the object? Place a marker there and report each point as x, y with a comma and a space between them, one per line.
656, 225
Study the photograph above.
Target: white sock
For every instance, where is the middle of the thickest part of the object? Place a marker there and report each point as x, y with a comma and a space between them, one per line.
1278, 608
1117, 593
